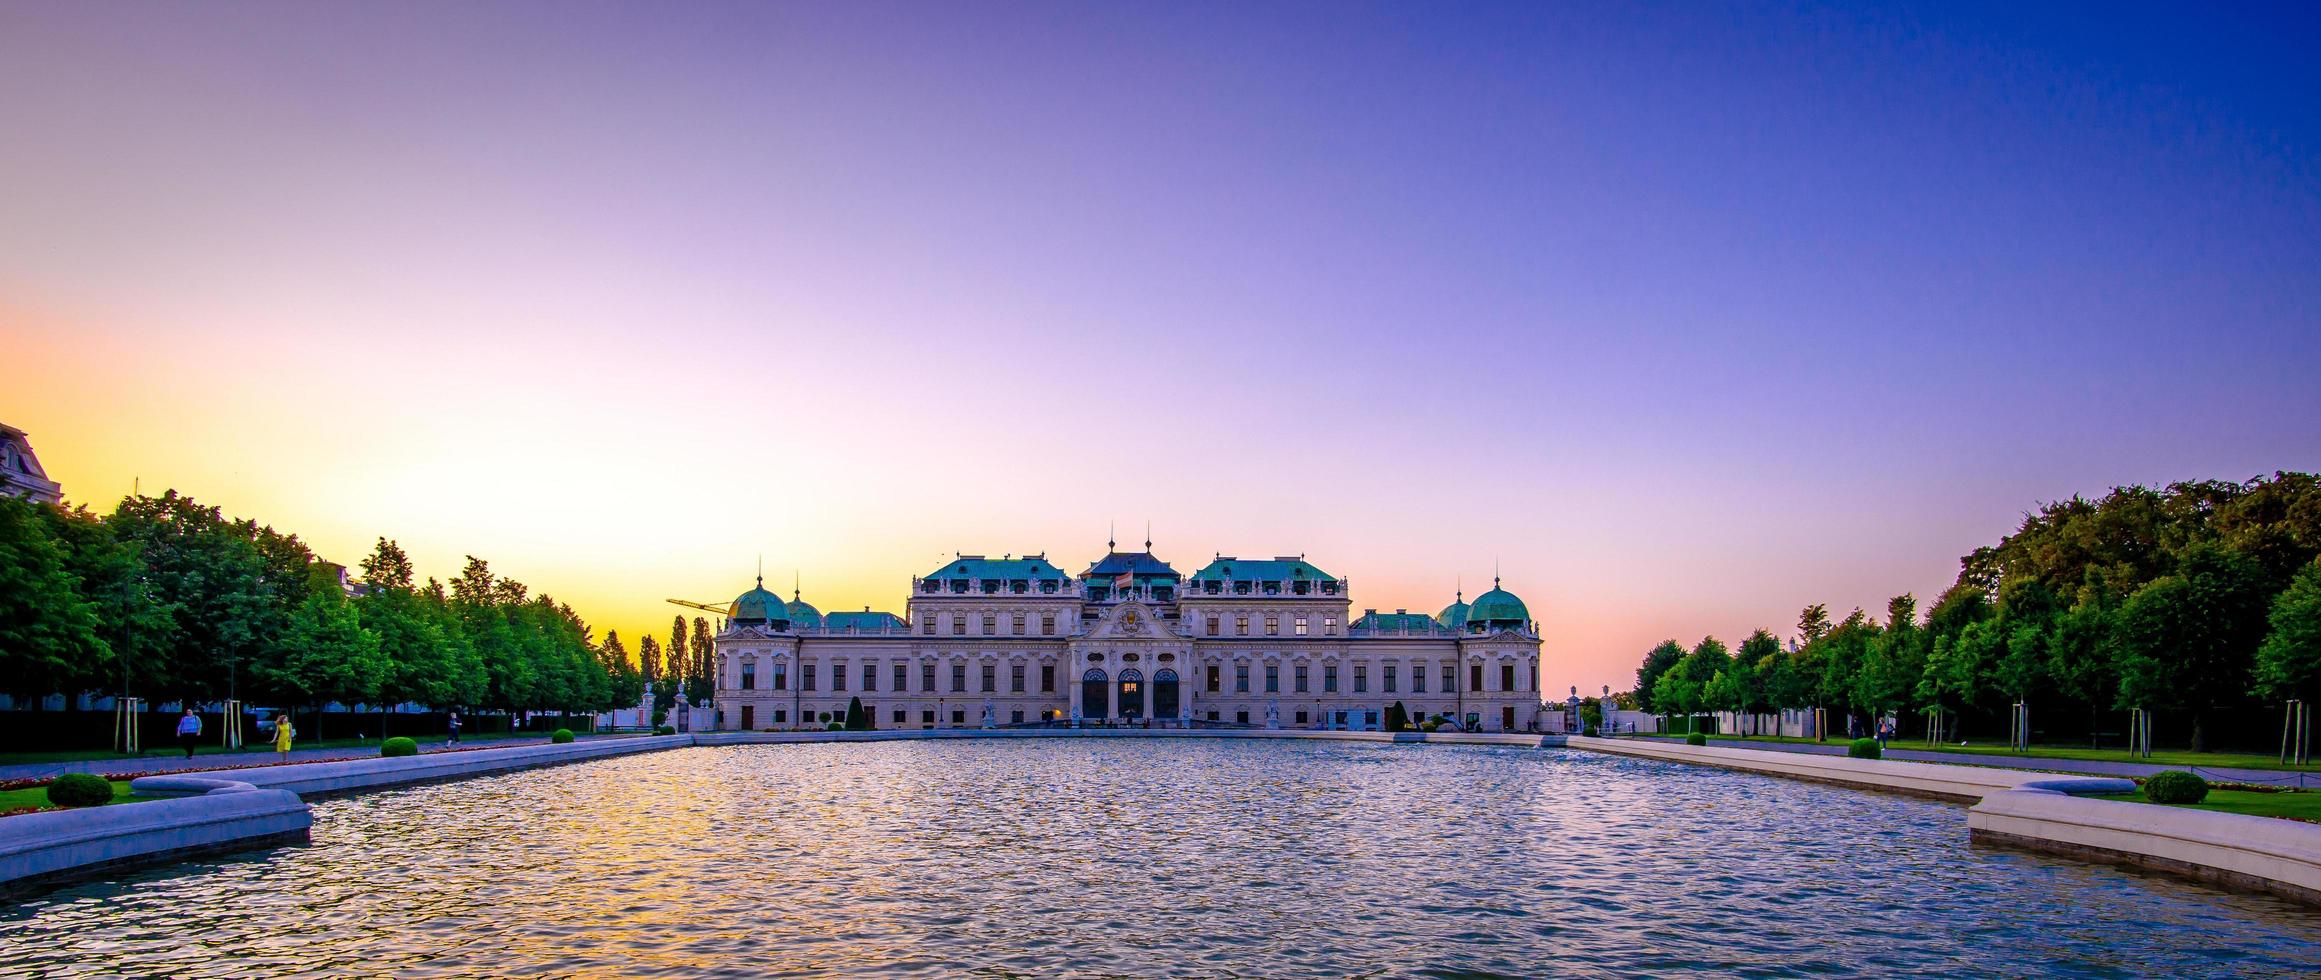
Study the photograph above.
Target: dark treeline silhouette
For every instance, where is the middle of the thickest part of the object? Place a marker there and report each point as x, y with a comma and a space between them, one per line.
2200, 602
170, 601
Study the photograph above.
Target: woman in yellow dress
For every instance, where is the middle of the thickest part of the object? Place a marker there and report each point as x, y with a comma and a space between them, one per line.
284, 731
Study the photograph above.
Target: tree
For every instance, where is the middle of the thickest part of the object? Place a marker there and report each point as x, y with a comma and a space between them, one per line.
1812, 623
331, 657
1757, 661
856, 719
2288, 665
48, 628
648, 653
1895, 661
701, 678
2189, 639
1397, 717
1657, 662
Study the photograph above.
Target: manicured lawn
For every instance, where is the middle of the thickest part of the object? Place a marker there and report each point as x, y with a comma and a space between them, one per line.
160, 752
2236, 760
2304, 805
17, 799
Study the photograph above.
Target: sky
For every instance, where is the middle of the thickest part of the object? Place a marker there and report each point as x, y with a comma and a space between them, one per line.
1682, 316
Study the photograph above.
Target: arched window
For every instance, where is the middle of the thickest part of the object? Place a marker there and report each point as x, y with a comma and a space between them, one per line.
1095, 694
1164, 693
1132, 693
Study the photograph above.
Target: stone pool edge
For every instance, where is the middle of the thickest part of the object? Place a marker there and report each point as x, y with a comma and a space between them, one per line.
2037, 811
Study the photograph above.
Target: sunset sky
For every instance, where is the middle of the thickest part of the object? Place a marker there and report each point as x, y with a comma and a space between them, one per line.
1685, 315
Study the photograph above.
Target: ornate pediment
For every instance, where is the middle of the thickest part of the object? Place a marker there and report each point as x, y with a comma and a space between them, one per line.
1131, 621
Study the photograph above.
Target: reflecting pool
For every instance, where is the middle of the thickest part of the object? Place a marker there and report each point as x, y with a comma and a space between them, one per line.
1145, 857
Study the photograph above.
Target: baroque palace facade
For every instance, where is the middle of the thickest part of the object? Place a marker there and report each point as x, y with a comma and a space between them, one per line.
1011, 641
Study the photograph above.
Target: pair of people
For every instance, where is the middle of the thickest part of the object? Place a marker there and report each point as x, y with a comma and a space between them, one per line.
189, 733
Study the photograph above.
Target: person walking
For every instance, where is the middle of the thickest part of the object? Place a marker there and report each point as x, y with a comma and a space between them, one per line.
188, 731
284, 731
455, 728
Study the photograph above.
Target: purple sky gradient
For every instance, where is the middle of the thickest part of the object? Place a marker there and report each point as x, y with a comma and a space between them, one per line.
1689, 314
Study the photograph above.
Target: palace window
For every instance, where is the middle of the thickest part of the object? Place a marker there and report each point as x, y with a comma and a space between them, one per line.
1047, 626
1213, 688
1388, 681
1212, 626
1361, 678
1212, 716
902, 677
990, 625
1047, 678
1241, 716
1273, 678
1450, 679
1329, 678
901, 716
781, 677
806, 679
1534, 676
1417, 678
1301, 626
838, 677
1018, 625
1507, 677
927, 678
927, 625
749, 677
959, 716
1297, 678
1016, 716
990, 678
1015, 680
1241, 678
1273, 626
1475, 677
1241, 625
1329, 626
781, 716
927, 717
1301, 717
958, 625
958, 678
869, 676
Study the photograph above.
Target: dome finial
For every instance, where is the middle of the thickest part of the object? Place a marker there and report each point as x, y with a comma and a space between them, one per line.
796, 585
761, 571
1148, 536
1111, 536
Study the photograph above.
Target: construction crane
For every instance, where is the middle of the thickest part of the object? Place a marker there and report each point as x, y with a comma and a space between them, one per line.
703, 606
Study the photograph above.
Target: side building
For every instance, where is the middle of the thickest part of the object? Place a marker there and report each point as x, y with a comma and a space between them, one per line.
20, 472
1016, 641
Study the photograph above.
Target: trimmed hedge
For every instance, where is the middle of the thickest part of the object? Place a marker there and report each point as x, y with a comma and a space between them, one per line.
1589, 731
1865, 748
562, 736
80, 789
2175, 786
397, 747
1696, 738
665, 730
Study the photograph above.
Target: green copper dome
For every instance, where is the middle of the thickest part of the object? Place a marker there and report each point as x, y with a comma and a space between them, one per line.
1497, 607
803, 613
759, 606
1454, 616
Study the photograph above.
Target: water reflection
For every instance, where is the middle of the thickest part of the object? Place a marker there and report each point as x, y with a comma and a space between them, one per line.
1144, 857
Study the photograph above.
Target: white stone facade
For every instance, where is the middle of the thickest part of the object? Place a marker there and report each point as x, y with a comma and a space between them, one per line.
1127, 642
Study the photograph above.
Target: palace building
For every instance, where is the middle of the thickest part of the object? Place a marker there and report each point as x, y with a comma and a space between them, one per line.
987, 642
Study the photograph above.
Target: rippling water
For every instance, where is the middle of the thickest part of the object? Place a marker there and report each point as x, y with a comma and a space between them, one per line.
1134, 856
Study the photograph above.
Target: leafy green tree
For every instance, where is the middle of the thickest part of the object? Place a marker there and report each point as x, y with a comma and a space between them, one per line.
1657, 662
2189, 639
1757, 660
701, 678
49, 630
1812, 623
332, 658
2289, 663
1895, 661
856, 719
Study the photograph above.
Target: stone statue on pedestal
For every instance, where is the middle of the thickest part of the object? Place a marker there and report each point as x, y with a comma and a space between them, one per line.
988, 722
1273, 714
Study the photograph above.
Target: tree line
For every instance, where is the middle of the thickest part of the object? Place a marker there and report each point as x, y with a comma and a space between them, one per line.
168, 600
2200, 599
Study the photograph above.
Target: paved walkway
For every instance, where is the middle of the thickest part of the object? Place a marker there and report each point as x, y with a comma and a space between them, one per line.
177, 762
2097, 767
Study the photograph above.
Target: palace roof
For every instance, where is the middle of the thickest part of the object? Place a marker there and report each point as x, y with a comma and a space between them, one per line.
1262, 570
976, 568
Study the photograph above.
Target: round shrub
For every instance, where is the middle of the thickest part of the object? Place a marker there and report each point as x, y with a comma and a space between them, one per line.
1589, 731
80, 789
398, 746
665, 730
1865, 748
562, 736
1696, 738
2175, 786
836, 726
